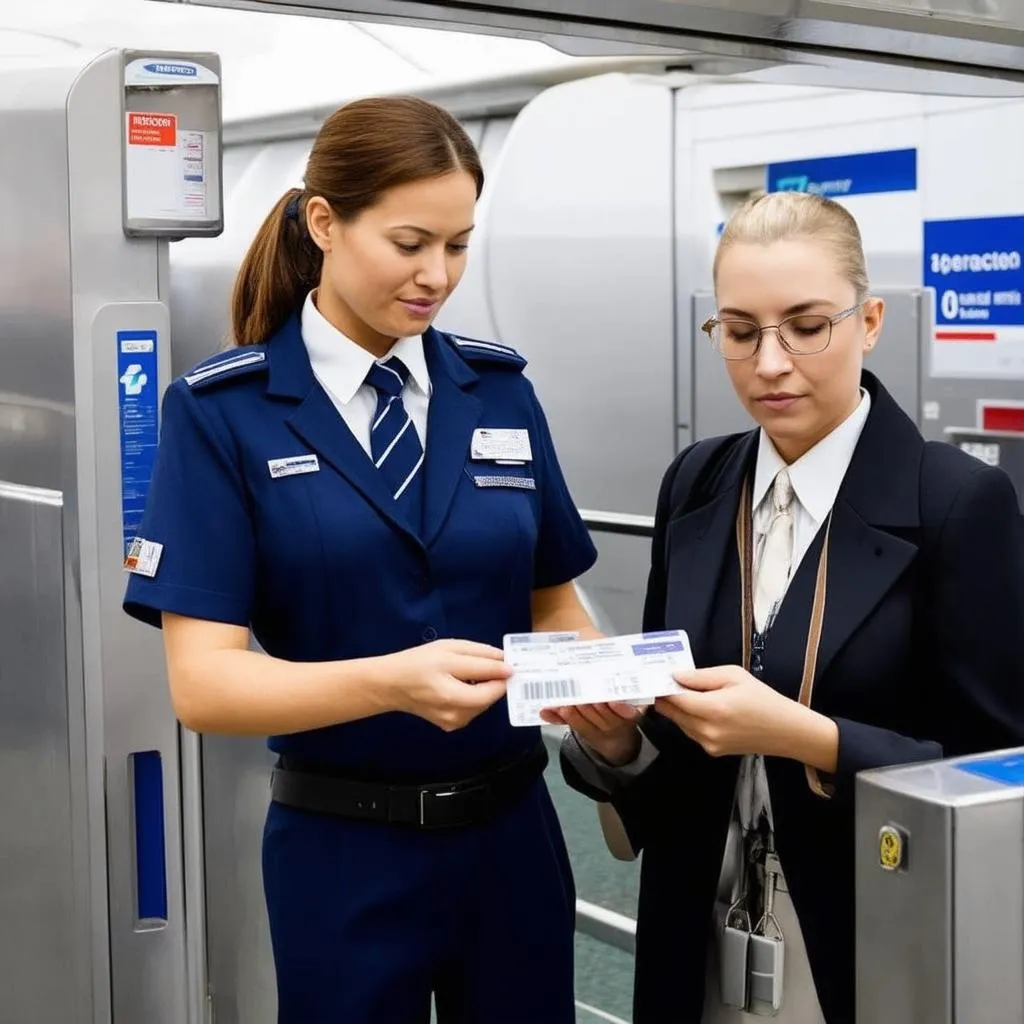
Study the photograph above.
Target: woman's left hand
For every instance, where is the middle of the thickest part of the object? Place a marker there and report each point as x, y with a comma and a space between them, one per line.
727, 711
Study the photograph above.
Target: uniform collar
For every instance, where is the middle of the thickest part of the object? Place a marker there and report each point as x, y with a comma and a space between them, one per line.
341, 365
818, 474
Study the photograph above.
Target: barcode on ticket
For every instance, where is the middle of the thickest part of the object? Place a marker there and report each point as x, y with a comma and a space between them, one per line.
550, 689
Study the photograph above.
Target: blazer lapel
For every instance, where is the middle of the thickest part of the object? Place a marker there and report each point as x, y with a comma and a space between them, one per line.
877, 502
454, 414
317, 422
699, 544
863, 564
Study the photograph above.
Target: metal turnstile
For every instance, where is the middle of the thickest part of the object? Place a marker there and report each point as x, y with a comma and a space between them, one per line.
940, 892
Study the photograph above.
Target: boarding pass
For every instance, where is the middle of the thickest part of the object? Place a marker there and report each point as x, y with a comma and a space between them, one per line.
556, 669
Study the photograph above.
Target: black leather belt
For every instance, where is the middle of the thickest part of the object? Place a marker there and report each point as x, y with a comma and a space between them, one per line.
310, 787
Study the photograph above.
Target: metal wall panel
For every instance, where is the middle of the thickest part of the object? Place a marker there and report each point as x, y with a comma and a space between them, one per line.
580, 278
120, 284
40, 962
53, 950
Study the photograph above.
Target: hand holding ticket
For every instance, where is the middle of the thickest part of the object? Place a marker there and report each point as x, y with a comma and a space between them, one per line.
557, 669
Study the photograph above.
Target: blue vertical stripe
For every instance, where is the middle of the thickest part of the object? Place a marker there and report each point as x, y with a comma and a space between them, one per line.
150, 858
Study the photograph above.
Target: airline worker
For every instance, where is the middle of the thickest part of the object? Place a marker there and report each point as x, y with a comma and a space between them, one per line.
854, 598
379, 503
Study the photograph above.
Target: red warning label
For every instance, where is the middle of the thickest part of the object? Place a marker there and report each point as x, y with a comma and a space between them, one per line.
152, 129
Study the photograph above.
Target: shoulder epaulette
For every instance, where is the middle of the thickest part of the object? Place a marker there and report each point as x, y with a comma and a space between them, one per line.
235, 362
474, 351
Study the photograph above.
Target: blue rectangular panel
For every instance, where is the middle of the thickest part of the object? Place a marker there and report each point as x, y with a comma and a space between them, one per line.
893, 170
150, 860
1007, 769
975, 268
139, 414
663, 647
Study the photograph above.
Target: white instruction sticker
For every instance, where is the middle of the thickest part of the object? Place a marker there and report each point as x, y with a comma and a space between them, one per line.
165, 167
143, 557
556, 669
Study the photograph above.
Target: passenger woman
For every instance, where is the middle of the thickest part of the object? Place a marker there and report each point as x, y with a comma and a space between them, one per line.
854, 597
378, 502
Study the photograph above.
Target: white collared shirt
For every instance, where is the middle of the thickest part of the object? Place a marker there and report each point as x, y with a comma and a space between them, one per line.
341, 366
816, 478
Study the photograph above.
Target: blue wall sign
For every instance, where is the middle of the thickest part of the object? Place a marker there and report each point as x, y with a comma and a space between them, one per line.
976, 270
1007, 769
893, 170
138, 390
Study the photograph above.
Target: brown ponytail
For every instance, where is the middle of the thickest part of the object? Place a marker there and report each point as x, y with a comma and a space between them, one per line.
282, 264
361, 151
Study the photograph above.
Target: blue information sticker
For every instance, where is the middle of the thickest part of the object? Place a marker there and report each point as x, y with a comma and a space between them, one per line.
976, 270
891, 170
1007, 769
139, 415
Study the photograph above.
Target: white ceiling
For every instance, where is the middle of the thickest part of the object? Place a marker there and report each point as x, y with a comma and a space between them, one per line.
271, 62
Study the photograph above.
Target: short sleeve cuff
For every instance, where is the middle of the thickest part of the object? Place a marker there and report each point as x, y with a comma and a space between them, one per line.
146, 599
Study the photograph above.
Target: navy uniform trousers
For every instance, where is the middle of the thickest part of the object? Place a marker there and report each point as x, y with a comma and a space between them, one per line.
368, 918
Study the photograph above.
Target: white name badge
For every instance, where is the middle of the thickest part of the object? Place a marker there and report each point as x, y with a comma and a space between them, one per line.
556, 669
501, 445
292, 466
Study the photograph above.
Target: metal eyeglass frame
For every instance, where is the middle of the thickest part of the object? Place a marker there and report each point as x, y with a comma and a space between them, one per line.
709, 325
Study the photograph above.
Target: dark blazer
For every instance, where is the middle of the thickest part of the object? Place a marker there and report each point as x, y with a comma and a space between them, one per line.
921, 657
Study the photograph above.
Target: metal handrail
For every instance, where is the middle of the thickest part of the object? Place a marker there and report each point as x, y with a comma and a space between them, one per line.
606, 926
618, 522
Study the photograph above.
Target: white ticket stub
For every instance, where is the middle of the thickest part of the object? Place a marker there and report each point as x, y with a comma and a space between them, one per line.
557, 669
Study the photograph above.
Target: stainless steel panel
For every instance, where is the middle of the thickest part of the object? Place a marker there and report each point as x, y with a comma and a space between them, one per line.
963, 35
116, 285
42, 965
988, 900
235, 797
37, 449
940, 939
895, 361
904, 947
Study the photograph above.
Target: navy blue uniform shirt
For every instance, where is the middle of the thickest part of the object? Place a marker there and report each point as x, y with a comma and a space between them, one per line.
321, 565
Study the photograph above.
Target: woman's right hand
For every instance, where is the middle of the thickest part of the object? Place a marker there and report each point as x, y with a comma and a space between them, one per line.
609, 729
446, 682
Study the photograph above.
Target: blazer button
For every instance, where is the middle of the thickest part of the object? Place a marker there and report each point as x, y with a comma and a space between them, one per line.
429, 634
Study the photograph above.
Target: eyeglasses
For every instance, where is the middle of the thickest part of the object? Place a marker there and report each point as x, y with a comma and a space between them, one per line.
805, 334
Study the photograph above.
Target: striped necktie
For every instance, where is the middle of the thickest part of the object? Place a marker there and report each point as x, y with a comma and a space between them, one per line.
394, 444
